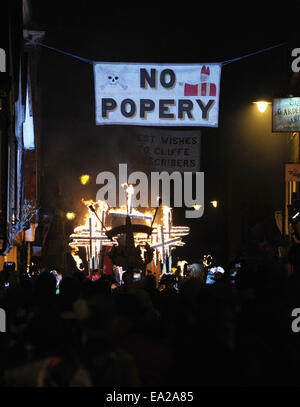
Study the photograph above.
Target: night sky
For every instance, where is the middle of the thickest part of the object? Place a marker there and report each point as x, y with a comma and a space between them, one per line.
242, 159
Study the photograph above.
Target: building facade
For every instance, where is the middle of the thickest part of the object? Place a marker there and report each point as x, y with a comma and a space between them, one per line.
18, 155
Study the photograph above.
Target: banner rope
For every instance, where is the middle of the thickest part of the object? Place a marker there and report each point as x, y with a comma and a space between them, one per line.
229, 61
60, 51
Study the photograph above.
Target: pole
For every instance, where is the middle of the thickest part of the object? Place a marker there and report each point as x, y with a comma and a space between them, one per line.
94, 211
101, 245
170, 259
284, 206
91, 247
164, 270
153, 219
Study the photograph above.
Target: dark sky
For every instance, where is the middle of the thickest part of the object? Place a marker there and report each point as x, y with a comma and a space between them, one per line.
165, 30
241, 159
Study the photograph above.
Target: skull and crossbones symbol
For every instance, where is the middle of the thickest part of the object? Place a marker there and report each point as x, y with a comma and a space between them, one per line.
112, 78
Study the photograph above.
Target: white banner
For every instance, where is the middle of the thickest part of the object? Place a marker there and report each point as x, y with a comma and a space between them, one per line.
157, 94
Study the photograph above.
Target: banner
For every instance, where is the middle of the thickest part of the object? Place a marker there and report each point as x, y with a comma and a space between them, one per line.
157, 94
169, 150
286, 115
292, 172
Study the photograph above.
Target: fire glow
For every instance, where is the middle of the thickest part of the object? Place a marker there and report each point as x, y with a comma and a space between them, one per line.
92, 234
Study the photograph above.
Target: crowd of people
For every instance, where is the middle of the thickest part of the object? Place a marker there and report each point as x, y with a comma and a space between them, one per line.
171, 332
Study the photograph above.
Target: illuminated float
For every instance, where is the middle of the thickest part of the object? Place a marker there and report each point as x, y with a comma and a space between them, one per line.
131, 245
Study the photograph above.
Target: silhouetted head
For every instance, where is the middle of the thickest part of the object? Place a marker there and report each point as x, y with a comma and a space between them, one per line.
127, 277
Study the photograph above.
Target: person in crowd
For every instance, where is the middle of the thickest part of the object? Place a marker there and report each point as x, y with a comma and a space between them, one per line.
89, 334
128, 281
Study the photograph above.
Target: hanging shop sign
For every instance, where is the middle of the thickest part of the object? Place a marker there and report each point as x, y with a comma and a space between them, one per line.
292, 172
157, 94
286, 115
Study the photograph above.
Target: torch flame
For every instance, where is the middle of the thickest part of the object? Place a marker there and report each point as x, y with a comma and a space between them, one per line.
92, 233
181, 264
77, 259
